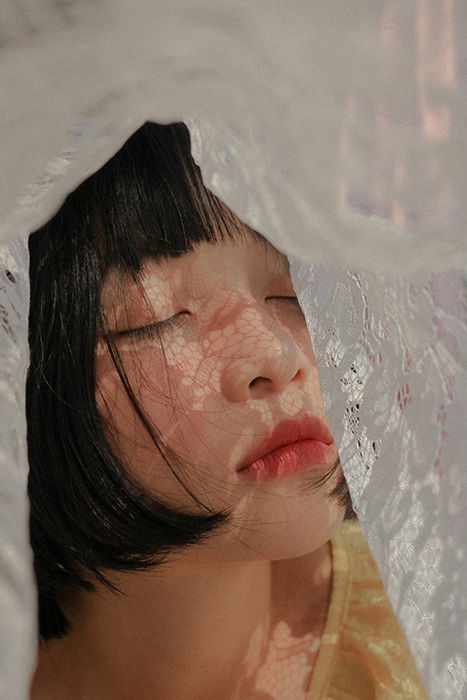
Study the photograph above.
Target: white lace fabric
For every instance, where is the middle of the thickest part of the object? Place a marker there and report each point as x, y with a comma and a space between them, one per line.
17, 594
337, 130
393, 368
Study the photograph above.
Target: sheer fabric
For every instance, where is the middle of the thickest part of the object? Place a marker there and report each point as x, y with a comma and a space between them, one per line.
337, 130
393, 363
17, 595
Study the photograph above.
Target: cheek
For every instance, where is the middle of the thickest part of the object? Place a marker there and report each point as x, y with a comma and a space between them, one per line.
129, 438
303, 340
174, 388
280, 522
176, 374
194, 374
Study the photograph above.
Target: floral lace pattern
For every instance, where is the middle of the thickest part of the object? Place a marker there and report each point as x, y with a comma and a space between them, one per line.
17, 598
397, 350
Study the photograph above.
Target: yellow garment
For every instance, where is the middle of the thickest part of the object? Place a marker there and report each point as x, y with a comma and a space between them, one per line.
363, 653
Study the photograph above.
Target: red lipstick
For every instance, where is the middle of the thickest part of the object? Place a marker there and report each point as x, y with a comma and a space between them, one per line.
293, 445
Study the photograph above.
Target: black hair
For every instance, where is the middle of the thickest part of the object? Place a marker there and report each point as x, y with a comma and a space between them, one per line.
87, 515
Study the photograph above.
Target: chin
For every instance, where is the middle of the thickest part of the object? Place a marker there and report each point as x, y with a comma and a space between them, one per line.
302, 533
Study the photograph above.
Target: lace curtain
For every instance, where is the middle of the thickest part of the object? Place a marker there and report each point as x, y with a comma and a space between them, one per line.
337, 130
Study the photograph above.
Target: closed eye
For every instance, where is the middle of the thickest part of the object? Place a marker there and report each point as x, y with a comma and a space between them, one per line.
285, 298
291, 305
153, 329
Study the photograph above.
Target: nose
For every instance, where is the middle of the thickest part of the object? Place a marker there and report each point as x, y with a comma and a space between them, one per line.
265, 361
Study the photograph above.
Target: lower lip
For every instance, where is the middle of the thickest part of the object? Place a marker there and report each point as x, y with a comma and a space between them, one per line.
290, 459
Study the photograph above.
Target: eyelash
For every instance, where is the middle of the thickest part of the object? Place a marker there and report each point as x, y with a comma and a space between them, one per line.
294, 299
153, 328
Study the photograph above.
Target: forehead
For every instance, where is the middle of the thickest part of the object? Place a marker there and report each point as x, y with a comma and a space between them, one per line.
224, 261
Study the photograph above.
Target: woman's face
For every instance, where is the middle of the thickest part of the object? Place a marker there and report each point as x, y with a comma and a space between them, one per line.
227, 376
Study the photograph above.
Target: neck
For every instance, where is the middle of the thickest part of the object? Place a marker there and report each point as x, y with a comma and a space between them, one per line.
203, 626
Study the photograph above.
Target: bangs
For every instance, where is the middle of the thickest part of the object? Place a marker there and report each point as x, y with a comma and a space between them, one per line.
149, 200
88, 517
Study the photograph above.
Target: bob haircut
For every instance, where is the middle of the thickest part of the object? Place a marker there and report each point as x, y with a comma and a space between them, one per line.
87, 515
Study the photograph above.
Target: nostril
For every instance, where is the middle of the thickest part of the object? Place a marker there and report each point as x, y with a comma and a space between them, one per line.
256, 380
298, 375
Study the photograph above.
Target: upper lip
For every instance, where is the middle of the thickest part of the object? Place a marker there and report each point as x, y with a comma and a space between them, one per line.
289, 431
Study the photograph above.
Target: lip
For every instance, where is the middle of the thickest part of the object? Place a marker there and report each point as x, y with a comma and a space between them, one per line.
293, 445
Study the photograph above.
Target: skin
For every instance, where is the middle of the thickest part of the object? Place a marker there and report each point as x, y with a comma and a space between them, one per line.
239, 616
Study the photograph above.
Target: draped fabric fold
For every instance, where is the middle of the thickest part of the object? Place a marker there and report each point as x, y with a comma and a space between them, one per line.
393, 360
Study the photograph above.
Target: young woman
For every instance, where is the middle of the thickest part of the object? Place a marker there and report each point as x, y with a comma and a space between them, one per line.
186, 492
